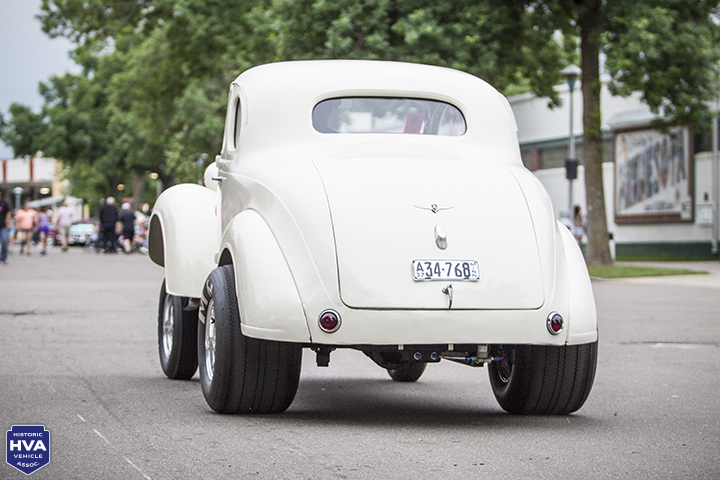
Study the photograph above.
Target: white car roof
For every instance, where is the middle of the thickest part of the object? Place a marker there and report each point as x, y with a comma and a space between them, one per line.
277, 100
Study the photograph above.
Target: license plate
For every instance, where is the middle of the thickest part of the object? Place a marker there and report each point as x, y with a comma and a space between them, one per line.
446, 270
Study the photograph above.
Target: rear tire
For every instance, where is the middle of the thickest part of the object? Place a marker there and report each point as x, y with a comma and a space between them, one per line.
542, 380
177, 336
239, 374
411, 373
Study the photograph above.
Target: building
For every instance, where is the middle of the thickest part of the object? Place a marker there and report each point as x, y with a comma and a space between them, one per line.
658, 185
39, 180
38, 177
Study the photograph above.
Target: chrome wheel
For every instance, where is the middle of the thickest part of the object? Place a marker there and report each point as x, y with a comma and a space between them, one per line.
177, 336
505, 366
210, 340
168, 325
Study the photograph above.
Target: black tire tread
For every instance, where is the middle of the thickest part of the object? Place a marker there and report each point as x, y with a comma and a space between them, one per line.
547, 380
264, 374
187, 366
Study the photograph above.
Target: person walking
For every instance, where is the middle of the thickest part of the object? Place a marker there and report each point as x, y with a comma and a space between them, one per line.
578, 227
64, 221
43, 226
127, 218
25, 220
108, 219
5, 217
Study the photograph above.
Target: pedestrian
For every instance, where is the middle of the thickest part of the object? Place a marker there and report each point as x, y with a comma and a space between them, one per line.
108, 219
578, 227
43, 227
25, 221
5, 217
64, 222
127, 218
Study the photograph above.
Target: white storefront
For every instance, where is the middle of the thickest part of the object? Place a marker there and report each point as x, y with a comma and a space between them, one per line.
666, 209
38, 179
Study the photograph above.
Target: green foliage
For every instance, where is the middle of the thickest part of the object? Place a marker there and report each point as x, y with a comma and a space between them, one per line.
151, 97
494, 40
23, 130
627, 271
668, 50
198, 125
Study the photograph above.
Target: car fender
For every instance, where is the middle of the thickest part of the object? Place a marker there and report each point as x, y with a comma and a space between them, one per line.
184, 237
581, 311
268, 299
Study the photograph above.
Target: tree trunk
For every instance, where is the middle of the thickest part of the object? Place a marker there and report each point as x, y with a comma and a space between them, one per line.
598, 249
137, 180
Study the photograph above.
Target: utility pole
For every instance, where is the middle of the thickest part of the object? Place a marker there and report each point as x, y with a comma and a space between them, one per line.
715, 179
571, 74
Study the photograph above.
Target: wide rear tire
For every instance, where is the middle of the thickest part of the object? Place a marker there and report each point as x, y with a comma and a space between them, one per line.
177, 336
239, 374
543, 380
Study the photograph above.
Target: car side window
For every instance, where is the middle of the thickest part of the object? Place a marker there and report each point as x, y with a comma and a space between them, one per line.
236, 123
388, 115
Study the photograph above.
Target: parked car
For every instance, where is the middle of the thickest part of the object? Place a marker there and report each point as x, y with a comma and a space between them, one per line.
53, 236
376, 206
82, 233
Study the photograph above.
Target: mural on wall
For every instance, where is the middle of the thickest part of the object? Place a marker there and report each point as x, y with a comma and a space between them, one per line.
653, 176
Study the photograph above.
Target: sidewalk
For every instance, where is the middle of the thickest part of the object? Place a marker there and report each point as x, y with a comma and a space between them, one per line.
709, 280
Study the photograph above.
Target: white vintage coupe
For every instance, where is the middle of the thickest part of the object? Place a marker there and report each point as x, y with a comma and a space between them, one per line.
377, 206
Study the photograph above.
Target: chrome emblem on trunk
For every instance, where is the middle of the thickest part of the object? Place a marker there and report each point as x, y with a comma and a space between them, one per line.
433, 208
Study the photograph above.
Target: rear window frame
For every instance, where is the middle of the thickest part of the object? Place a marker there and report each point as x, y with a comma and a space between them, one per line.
326, 130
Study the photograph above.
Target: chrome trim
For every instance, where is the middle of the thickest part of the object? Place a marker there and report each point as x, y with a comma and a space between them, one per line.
449, 292
440, 237
433, 208
210, 340
549, 323
168, 325
330, 310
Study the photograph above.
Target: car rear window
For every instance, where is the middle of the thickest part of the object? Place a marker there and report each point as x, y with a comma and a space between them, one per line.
388, 115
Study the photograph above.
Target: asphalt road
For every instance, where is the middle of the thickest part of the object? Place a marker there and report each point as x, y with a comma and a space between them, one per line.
78, 354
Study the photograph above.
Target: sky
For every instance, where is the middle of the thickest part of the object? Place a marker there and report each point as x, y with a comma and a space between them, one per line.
27, 57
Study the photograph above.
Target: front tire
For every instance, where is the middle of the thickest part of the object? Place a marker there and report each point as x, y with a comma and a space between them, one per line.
177, 336
410, 373
543, 380
239, 374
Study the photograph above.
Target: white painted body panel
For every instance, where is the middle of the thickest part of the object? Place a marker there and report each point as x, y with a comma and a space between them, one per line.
488, 222
313, 221
267, 299
190, 226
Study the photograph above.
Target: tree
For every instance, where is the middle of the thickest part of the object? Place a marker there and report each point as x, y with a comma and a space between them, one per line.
492, 39
162, 69
665, 49
23, 130
151, 96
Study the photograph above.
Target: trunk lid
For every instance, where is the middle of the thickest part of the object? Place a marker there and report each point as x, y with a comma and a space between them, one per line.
382, 219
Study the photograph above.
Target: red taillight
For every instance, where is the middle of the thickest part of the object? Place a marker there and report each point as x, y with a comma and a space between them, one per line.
329, 321
555, 323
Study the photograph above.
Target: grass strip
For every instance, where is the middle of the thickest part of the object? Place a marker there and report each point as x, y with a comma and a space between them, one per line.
626, 271
659, 257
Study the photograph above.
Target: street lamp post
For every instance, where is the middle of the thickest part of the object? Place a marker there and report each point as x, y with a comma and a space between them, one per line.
18, 191
715, 179
571, 74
